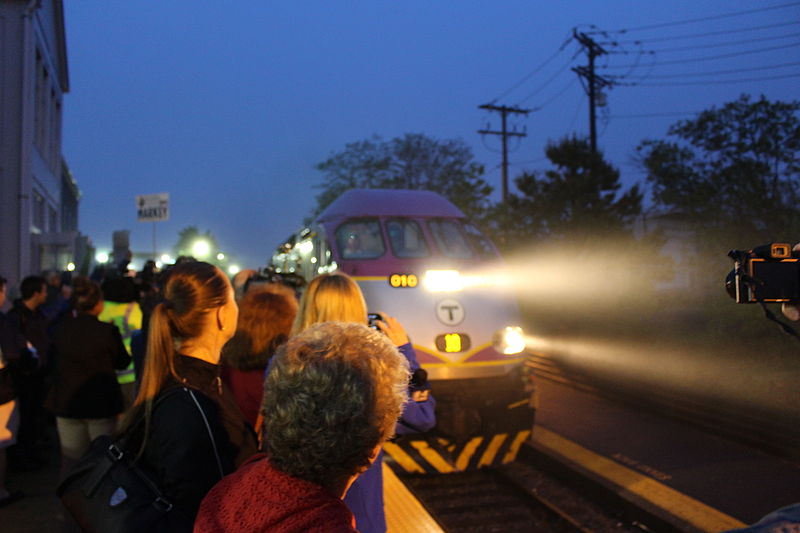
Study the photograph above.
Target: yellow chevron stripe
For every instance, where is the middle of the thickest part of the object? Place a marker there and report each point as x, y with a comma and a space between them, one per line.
402, 458
466, 453
513, 450
432, 456
371, 278
488, 456
696, 513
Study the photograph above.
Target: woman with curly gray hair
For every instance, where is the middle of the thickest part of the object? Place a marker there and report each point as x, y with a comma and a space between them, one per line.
332, 397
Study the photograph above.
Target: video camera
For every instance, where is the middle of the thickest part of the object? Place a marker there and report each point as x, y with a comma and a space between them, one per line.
768, 273
270, 275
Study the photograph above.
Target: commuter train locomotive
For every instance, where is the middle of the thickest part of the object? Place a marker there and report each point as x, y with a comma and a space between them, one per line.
417, 257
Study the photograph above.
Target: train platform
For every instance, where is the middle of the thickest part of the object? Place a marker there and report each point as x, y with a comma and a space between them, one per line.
692, 480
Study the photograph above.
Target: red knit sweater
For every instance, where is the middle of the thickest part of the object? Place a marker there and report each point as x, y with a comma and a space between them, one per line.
259, 498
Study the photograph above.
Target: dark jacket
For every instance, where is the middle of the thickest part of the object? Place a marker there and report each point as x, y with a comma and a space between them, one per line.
84, 384
15, 354
33, 326
178, 447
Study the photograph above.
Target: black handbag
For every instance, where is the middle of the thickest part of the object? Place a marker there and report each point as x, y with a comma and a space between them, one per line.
109, 492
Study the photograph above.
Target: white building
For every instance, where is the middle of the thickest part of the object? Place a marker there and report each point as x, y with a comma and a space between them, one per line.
38, 196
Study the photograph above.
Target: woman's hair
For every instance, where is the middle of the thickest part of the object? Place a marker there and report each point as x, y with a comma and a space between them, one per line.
334, 393
265, 321
330, 297
191, 290
86, 294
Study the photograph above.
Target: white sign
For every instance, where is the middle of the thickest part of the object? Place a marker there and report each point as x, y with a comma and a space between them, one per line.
449, 312
152, 207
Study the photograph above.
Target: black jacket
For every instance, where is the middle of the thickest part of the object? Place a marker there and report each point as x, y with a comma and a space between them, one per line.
178, 447
15, 355
84, 383
33, 326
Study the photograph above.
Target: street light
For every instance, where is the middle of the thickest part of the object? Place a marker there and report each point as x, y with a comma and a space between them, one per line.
233, 270
201, 248
102, 257
220, 256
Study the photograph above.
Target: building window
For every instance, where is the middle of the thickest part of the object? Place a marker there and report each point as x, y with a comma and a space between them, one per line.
38, 212
52, 223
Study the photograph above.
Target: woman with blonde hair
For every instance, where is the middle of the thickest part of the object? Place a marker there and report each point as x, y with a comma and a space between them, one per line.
184, 423
336, 297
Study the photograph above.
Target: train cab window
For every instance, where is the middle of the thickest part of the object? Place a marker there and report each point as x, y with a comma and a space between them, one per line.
479, 241
406, 238
450, 239
360, 239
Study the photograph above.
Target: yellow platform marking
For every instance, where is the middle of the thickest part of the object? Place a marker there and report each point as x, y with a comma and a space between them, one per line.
432, 456
402, 458
404, 513
696, 513
488, 456
463, 458
513, 450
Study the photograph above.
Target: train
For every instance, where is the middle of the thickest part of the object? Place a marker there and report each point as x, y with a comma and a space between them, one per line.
417, 257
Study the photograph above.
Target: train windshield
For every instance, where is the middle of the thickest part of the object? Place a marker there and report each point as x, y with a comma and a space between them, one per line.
406, 238
360, 239
450, 238
479, 241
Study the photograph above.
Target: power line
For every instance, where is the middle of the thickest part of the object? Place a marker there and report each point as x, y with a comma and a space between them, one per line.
718, 72
717, 82
721, 56
534, 71
652, 115
702, 19
723, 44
550, 80
697, 35
556, 96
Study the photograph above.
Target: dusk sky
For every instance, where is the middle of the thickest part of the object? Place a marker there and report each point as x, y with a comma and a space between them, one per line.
228, 106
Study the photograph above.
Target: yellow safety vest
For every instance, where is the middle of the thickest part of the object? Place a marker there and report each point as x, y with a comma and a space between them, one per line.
127, 316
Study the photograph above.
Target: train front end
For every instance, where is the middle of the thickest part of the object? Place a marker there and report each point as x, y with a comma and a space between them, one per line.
416, 257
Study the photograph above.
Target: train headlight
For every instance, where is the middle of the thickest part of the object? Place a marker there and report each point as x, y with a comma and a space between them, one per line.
509, 341
443, 281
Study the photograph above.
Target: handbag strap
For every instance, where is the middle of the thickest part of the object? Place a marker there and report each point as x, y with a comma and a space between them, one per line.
210, 433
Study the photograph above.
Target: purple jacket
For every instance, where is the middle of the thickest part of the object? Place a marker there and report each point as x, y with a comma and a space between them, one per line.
365, 497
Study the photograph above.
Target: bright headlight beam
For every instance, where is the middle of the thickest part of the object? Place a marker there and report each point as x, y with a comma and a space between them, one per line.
443, 281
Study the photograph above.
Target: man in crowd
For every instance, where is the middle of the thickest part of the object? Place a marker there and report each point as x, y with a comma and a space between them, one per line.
29, 379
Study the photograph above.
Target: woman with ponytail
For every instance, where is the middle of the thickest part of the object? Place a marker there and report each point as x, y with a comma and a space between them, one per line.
184, 424
85, 396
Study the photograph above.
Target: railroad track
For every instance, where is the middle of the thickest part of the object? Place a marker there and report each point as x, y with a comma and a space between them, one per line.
514, 498
759, 430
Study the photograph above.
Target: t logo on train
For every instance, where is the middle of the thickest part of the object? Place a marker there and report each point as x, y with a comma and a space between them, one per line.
416, 256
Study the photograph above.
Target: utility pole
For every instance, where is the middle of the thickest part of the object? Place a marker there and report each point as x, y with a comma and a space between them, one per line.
505, 134
593, 81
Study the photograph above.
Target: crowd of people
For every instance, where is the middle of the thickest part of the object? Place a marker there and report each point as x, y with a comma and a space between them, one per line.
253, 409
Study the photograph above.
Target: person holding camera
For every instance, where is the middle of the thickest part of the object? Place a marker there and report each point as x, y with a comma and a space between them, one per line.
336, 297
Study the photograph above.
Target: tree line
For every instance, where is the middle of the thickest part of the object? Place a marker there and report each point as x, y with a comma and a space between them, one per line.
730, 174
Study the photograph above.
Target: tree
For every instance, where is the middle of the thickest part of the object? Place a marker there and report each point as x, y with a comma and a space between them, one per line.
413, 161
732, 172
187, 238
579, 201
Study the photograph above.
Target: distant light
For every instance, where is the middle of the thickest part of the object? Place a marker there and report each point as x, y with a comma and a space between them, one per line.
201, 248
233, 270
70, 266
166, 259
220, 256
159, 264
102, 257
305, 247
